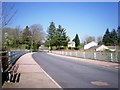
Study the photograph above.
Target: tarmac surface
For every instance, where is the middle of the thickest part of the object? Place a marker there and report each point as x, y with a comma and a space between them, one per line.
31, 75
71, 72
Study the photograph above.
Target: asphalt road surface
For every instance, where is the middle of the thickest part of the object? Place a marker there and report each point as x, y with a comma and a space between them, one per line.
75, 74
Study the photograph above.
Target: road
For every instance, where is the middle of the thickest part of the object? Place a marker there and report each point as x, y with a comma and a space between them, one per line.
75, 74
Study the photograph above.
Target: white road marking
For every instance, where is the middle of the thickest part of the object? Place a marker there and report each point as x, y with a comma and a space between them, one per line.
53, 80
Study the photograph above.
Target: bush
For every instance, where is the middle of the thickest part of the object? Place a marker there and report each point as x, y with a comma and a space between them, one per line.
76, 48
107, 50
65, 48
80, 47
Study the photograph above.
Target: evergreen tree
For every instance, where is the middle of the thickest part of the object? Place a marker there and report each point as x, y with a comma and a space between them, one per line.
56, 36
51, 34
76, 40
51, 30
61, 37
118, 35
26, 36
113, 38
106, 37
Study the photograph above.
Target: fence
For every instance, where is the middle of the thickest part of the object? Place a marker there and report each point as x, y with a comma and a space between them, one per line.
103, 56
8, 60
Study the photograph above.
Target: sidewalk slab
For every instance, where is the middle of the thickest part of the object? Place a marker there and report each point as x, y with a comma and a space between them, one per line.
31, 75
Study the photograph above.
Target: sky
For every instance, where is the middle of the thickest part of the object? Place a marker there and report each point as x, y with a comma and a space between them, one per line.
82, 18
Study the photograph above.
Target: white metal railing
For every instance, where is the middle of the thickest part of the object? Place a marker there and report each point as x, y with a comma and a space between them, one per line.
104, 56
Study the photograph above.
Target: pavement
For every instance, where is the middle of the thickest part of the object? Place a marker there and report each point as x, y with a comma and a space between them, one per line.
31, 75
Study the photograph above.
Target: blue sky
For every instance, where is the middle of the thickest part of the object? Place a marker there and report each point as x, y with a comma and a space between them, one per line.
82, 18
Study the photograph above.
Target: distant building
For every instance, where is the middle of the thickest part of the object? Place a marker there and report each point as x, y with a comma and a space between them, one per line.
89, 45
41, 48
71, 44
94, 48
112, 48
102, 48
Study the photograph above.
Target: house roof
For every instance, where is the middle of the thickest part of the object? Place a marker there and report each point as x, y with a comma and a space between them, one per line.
71, 42
91, 44
94, 47
111, 47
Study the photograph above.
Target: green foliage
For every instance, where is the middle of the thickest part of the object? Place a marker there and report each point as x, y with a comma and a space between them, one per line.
100, 43
51, 30
106, 37
80, 47
118, 35
113, 37
99, 40
77, 41
16, 39
56, 36
107, 50
26, 36
110, 38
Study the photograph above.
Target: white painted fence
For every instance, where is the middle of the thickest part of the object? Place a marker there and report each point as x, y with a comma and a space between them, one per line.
104, 56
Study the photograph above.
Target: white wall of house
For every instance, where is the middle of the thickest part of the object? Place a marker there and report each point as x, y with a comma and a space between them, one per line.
89, 45
71, 44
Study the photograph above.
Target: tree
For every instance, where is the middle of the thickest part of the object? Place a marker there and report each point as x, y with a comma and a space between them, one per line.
26, 36
51, 30
76, 40
51, 34
61, 38
118, 35
110, 38
37, 35
106, 37
99, 40
7, 42
56, 36
11, 35
7, 12
89, 39
113, 37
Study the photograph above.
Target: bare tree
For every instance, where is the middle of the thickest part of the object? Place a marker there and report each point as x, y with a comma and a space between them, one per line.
99, 40
38, 34
88, 39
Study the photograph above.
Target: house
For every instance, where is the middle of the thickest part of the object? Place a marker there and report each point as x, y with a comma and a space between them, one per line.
89, 45
94, 48
71, 44
102, 48
112, 48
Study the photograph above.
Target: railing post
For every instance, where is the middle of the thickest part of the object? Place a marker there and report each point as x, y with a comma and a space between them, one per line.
70, 53
76, 54
83, 54
94, 55
111, 55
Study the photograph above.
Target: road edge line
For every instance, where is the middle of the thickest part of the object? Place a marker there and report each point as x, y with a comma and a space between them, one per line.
52, 79
49, 76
